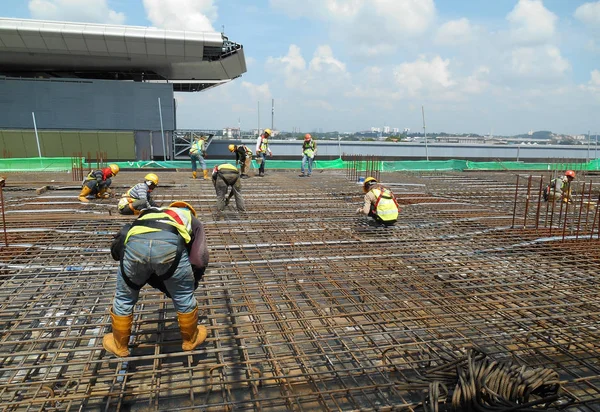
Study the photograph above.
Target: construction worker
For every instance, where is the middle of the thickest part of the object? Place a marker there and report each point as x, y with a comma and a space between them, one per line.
380, 203
560, 188
243, 157
225, 176
262, 148
309, 151
97, 183
139, 196
167, 249
197, 154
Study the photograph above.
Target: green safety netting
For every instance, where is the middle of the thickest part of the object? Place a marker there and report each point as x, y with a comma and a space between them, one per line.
210, 163
32, 164
66, 163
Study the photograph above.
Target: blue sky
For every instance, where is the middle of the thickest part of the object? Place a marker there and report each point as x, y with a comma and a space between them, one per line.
502, 66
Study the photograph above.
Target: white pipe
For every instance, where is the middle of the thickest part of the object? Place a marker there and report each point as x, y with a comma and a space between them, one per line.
162, 132
37, 138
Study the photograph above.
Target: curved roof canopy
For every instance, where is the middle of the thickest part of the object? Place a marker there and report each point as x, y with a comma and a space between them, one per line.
190, 60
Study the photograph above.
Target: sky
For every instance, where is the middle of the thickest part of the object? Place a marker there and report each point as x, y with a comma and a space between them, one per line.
501, 67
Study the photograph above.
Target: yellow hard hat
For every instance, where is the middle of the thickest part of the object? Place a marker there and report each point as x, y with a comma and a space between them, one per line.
368, 182
268, 131
231, 147
151, 177
114, 169
184, 205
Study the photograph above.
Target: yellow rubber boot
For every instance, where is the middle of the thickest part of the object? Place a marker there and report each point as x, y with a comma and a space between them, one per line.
194, 174
85, 191
117, 341
206, 175
191, 333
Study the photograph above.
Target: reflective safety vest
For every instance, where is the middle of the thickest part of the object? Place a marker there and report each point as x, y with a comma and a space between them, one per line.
385, 206
264, 144
197, 146
180, 218
248, 151
308, 148
226, 166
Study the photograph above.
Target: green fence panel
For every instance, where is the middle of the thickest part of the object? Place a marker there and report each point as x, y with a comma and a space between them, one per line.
51, 143
13, 142
89, 143
424, 165
125, 146
71, 143
36, 164
107, 142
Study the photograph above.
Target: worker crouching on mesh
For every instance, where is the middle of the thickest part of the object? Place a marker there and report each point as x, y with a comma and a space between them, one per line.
380, 203
167, 249
225, 176
139, 196
97, 183
560, 189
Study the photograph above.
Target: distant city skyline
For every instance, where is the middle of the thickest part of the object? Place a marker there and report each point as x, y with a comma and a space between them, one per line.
501, 66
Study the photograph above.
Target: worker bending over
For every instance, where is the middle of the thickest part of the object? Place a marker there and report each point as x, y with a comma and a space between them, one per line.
97, 183
139, 196
380, 203
167, 249
560, 188
225, 176
243, 157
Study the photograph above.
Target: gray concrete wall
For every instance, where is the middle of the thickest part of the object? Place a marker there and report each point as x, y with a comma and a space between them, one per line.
84, 104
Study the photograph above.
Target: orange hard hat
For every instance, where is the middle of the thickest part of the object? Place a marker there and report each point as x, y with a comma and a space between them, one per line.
307, 136
184, 205
570, 173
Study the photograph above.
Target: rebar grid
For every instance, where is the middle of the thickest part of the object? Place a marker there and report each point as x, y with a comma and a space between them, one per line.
308, 306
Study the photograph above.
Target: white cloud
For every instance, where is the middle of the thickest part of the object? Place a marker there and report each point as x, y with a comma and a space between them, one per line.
195, 15
370, 27
477, 82
323, 61
594, 84
531, 22
89, 11
454, 32
323, 73
589, 13
257, 91
538, 62
423, 75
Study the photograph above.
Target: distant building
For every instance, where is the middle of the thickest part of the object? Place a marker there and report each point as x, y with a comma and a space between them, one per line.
231, 133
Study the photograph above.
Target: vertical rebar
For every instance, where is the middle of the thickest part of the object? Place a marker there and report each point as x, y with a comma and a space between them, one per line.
2, 183
580, 209
588, 205
539, 202
515, 204
553, 205
527, 201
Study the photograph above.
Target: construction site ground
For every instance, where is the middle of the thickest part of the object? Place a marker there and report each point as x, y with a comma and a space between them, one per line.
308, 305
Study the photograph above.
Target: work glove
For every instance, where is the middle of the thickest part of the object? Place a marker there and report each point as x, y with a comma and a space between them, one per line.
270, 154
359, 210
